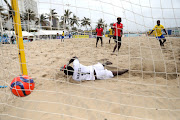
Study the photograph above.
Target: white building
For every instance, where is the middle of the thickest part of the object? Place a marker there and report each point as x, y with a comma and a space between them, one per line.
28, 4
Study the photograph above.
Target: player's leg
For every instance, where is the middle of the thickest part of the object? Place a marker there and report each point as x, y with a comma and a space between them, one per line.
159, 38
109, 39
119, 43
164, 39
116, 43
161, 43
101, 41
97, 39
115, 47
115, 73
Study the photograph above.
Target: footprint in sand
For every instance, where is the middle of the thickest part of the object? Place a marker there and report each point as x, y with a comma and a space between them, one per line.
44, 75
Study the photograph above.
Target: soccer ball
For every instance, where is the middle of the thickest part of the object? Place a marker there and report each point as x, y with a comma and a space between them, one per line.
22, 85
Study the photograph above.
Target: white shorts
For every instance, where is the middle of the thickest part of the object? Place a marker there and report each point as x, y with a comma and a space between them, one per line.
102, 73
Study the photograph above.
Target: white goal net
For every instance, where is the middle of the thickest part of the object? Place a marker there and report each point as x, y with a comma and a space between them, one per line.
54, 31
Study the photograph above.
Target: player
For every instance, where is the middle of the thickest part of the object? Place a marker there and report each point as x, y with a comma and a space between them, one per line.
99, 31
57, 36
118, 31
157, 28
62, 38
110, 34
12, 39
69, 35
80, 72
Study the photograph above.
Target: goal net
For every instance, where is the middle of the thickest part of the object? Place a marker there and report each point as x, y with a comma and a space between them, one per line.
54, 31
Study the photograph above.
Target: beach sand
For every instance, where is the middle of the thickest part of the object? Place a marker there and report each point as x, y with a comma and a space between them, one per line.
150, 90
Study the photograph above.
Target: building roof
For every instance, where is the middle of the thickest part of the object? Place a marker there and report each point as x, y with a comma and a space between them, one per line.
48, 32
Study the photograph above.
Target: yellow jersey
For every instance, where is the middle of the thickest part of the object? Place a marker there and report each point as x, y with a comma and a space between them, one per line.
158, 29
110, 31
62, 34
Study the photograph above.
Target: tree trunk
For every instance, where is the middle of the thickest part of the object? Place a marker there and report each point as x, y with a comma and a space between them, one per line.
86, 28
1, 25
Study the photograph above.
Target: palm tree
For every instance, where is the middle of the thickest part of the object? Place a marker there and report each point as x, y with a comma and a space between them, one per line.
10, 12
29, 16
67, 16
74, 29
61, 23
10, 17
102, 22
74, 20
85, 22
42, 20
1, 16
65, 19
52, 16
111, 24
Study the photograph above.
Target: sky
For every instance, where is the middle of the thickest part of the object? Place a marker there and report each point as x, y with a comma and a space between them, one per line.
137, 15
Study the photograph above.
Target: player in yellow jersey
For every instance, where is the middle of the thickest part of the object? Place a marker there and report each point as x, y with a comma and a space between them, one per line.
158, 28
110, 34
62, 38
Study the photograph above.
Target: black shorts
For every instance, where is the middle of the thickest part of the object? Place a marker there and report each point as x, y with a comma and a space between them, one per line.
110, 36
99, 38
117, 39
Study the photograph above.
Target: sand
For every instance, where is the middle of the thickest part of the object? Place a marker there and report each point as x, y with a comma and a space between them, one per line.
150, 90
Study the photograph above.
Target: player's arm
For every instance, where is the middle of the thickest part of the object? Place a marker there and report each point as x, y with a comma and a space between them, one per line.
121, 32
72, 60
164, 29
151, 32
115, 73
113, 27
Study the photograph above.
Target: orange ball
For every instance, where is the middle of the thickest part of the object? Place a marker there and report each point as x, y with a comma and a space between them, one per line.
22, 85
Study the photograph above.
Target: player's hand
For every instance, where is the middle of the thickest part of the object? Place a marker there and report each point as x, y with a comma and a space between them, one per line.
75, 57
72, 60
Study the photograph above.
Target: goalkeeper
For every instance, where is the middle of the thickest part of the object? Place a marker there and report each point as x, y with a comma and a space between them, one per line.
81, 72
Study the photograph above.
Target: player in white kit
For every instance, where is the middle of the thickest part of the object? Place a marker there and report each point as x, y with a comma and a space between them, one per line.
81, 72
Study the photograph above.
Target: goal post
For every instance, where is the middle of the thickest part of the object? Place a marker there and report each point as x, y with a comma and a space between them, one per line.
19, 37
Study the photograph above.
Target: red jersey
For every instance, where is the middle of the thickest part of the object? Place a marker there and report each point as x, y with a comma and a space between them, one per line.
117, 29
99, 31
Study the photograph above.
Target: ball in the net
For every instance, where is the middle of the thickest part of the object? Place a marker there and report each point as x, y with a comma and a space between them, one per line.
22, 85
